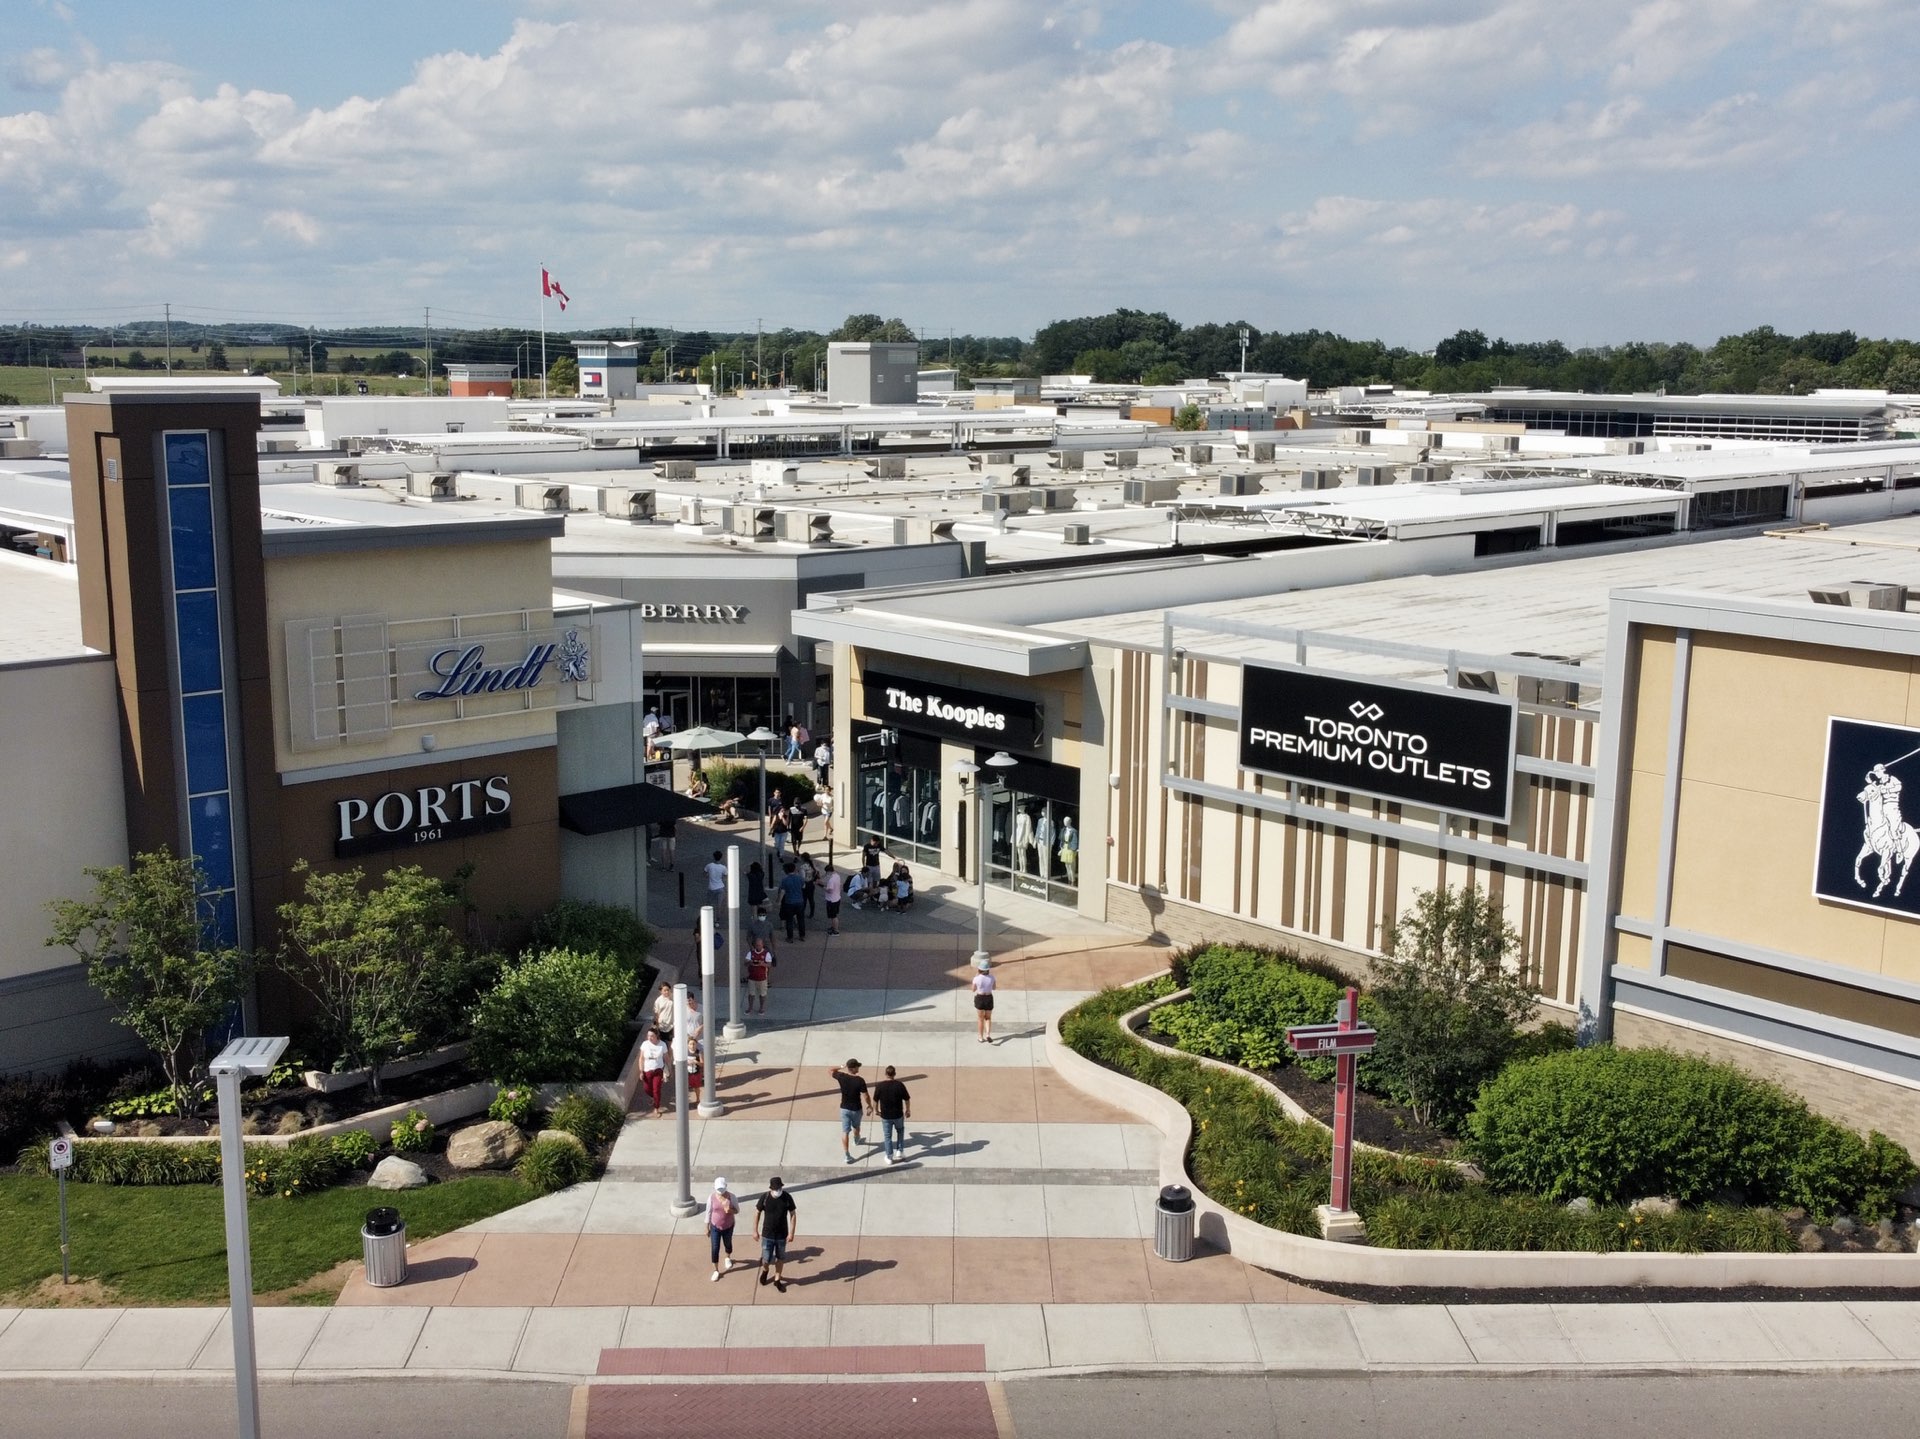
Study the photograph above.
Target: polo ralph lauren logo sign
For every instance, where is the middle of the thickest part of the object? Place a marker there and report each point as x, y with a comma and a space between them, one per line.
1866, 846
1417, 744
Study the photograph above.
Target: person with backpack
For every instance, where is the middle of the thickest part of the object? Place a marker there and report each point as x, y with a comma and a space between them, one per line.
759, 964
776, 1219
722, 1209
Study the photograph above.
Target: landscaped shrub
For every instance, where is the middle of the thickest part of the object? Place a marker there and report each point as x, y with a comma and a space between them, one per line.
355, 1147
1472, 1218
730, 779
412, 1133
289, 1170
1244, 1001
1615, 1124
306, 1165
31, 1104
550, 1164
588, 1118
590, 928
556, 1016
515, 1104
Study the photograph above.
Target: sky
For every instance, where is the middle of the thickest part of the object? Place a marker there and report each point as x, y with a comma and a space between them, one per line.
1593, 171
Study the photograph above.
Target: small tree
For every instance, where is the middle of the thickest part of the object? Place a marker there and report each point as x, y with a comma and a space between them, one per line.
1188, 417
142, 938
1451, 1004
216, 356
563, 376
383, 965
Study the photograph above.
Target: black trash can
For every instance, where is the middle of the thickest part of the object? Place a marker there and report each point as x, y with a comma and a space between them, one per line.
383, 1247
1173, 1219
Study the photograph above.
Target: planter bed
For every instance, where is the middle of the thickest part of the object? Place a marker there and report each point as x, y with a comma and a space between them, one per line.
1401, 1195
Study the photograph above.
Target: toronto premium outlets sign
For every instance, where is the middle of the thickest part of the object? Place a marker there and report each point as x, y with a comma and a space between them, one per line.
402, 818
1415, 744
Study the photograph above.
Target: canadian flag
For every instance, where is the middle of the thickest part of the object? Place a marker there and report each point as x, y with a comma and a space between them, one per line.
551, 286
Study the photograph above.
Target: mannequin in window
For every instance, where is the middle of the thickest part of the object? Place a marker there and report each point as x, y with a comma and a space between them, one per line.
1070, 850
1023, 841
1043, 843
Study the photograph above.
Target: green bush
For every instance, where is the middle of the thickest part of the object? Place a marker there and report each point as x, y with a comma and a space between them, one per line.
590, 928
550, 1164
730, 779
515, 1104
591, 1120
292, 1169
556, 1016
1245, 1000
305, 1165
1614, 1124
412, 1133
356, 1147
1473, 1218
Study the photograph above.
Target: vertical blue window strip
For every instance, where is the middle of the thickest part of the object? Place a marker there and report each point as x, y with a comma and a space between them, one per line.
200, 656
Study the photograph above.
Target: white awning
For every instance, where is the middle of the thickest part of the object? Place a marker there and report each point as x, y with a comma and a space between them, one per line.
685, 659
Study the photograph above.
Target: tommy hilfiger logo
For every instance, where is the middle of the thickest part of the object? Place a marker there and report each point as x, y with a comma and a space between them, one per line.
1363, 710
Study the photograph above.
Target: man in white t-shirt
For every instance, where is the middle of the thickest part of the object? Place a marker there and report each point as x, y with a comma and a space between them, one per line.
717, 880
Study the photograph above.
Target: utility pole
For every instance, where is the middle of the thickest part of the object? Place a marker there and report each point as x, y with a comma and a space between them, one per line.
670, 336
1243, 349
756, 351
310, 381
428, 327
169, 312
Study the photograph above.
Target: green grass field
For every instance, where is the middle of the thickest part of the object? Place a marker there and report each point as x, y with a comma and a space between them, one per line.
29, 386
167, 1245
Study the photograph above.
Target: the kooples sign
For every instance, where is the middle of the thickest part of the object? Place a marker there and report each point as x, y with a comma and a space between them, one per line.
965, 714
402, 818
1416, 744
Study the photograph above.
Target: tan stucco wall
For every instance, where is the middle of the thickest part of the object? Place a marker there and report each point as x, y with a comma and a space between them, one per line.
1754, 751
423, 583
65, 807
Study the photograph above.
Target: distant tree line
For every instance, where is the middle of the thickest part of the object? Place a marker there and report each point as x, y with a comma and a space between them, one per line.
1124, 346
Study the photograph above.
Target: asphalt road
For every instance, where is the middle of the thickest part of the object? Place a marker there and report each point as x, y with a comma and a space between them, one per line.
1574, 1407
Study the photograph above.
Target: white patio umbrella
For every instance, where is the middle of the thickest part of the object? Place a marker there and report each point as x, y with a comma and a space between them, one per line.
703, 737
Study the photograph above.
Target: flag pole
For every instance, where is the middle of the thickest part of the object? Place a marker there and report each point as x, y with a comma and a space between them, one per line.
543, 332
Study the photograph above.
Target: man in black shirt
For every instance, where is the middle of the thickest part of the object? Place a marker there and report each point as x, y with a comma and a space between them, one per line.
853, 1103
775, 1221
895, 1107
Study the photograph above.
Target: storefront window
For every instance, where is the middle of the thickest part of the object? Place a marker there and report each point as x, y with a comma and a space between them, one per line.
897, 793
1035, 840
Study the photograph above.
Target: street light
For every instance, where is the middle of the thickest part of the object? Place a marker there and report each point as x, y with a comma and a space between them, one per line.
710, 1105
242, 1059
762, 737
979, 777
683, 1204
735, 1029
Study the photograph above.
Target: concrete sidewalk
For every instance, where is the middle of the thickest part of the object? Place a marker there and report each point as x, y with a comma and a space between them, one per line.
1018, 1339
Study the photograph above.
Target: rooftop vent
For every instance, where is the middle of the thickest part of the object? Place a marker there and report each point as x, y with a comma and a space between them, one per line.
1066, 459
887, 467
1319, 479
634, 506
1123, 459
1077, 533
679, 469
1373, 475
1242, 483
432, 486
552, 499
332, 472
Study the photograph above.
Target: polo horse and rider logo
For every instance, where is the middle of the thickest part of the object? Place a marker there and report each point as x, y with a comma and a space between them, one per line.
1886, 832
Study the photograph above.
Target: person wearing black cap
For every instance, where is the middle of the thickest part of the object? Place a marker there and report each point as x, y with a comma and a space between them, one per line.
775, 1221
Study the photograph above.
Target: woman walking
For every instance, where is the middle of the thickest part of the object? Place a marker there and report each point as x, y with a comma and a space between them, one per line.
831, 888
722, 1208
653, 1067
983, 1004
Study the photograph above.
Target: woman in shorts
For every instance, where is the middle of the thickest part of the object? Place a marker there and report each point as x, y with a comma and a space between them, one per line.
830, 889
983, 1004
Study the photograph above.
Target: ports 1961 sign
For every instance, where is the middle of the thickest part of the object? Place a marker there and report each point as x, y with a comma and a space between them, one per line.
1415, 744
403, 818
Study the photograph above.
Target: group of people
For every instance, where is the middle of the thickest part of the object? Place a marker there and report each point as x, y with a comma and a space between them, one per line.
776, 1221
656, 1050
656, 729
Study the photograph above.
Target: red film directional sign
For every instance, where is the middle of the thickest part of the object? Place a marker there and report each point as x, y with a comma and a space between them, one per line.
1345, 1041
1313, 1041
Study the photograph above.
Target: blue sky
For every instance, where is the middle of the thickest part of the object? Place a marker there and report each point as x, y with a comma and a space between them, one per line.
1587, 170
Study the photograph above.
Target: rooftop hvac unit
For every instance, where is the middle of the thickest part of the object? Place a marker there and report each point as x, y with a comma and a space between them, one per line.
1260, 450
920, 530
1831, 595
425, 486
691, 510
1066, 459
1149, 491
1242, 484
755, 522
1057, 497
1429, 474
1507, 444
332, 472
1006, 502
1877, 595
1373, 475
887, 467
549, 498
1484, 682
636, 506
1360, 437
999, 457
1123, 459
774, 472
1319, 479
679, 469
1532, 690
819, 529
606, 442
1193, 454
1078, 533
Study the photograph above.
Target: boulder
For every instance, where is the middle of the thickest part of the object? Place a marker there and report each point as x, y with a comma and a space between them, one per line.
1654, 1205
1811, 1240
1582, 1205
393, 1172
1471, 1173
490, 1144
566, 1136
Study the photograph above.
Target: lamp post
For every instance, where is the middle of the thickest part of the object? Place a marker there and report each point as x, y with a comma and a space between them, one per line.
982, 780
735, 1029
248, 1059
683, 1203
762, 737
710, 1105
